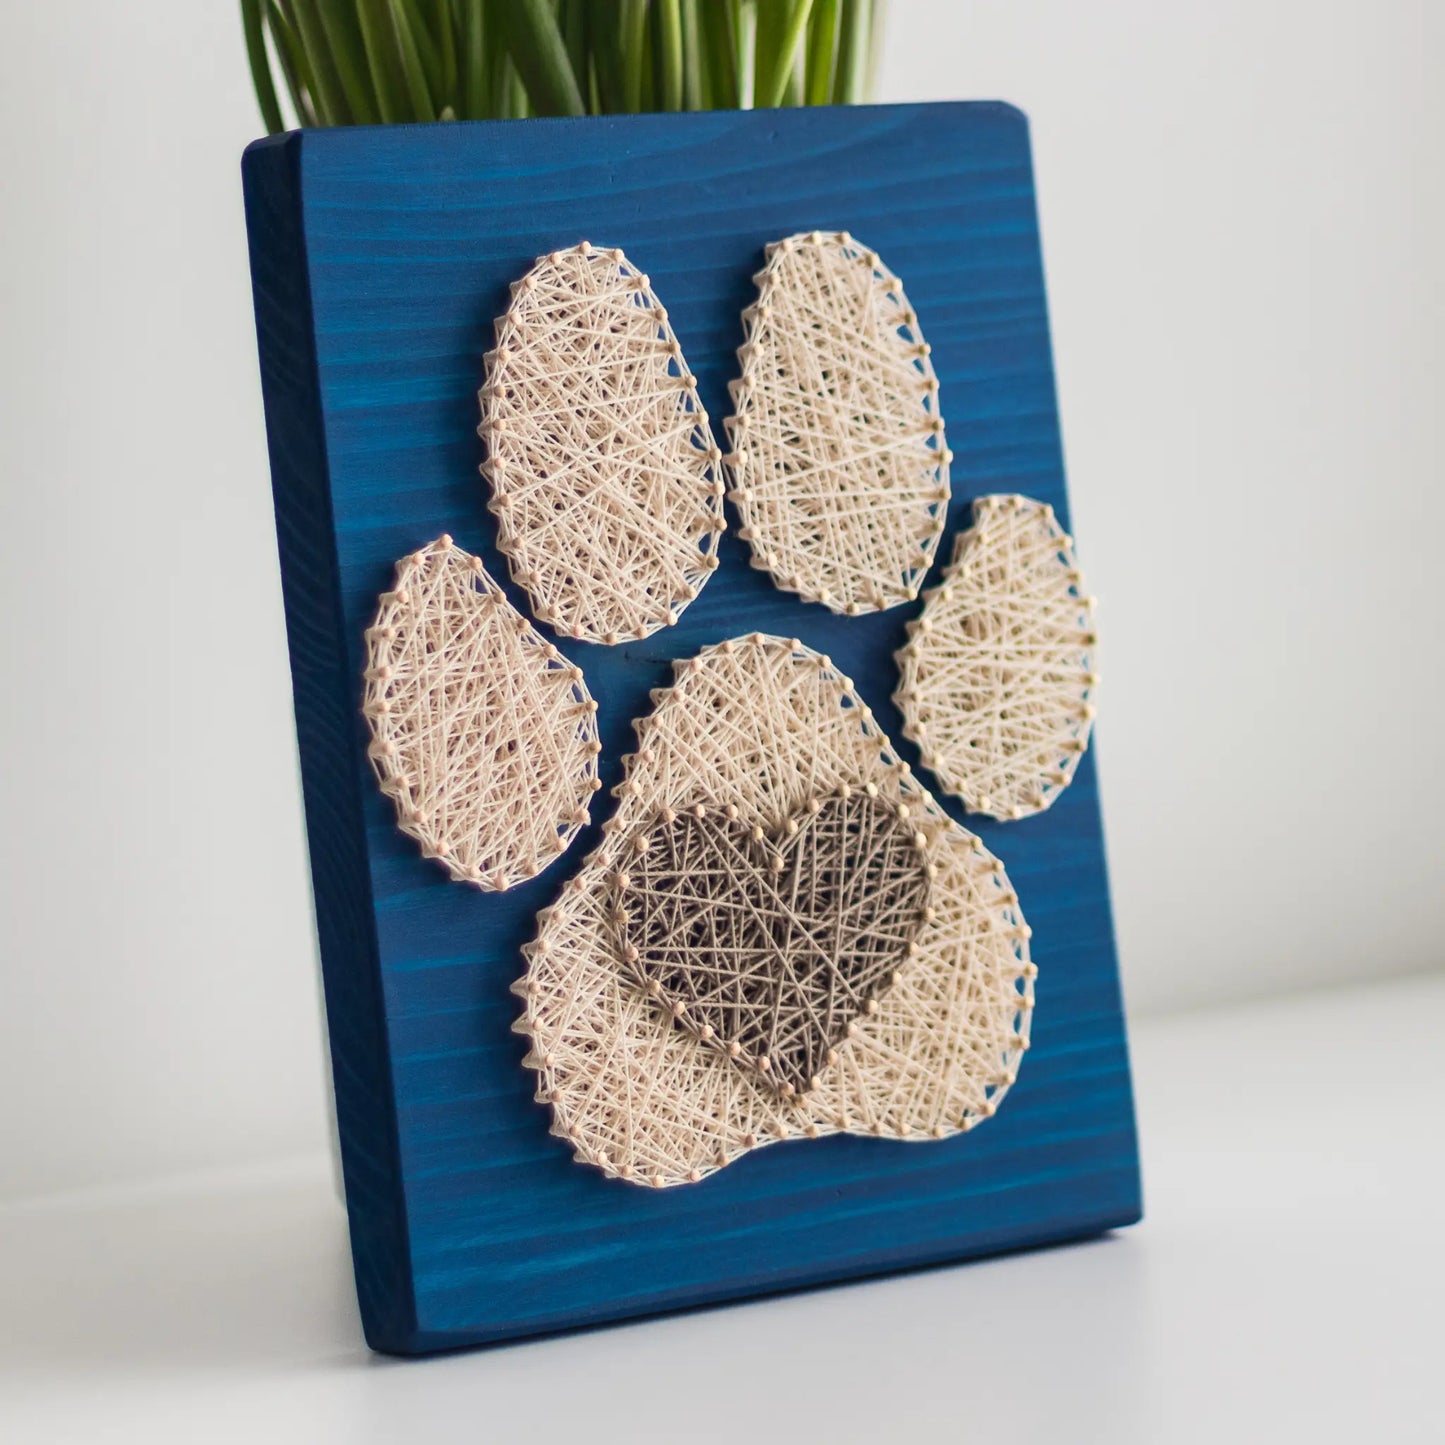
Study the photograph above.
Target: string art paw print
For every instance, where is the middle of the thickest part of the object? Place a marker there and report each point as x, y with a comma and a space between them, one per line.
781, 933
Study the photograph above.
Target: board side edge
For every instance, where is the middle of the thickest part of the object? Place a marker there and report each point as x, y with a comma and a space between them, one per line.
324, 696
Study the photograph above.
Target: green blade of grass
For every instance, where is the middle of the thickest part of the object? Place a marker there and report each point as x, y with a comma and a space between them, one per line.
295, 69
776, 56
717, 48
474, 89
260, 62
696, 78
667, 48
499, 66
572, 22
378, 37
822, 51
648, 64
446, 41
514, 102
509, 95
744, 17
428, 52
850, 74
540, 56
328, 95
765, 45
793, 90
876, 22
412, 70
578, 21
632, 33
343, 35
604, 35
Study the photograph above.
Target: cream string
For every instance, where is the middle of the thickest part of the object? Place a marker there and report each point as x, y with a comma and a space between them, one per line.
997, 679
840, 468
763, 725
606, 482
483, 735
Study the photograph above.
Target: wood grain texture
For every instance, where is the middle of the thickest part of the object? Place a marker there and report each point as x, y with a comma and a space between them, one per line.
380, 258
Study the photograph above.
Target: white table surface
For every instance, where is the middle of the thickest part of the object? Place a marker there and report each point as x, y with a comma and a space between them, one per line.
1286, 1285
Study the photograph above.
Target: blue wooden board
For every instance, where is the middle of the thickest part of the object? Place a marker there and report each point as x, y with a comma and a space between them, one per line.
380, 258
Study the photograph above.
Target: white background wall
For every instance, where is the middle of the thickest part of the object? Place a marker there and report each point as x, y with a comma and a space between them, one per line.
1244, 217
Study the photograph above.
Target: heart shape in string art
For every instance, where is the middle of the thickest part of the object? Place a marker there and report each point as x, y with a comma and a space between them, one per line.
769, 943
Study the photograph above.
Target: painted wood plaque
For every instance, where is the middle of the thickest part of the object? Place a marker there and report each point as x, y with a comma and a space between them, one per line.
380, 259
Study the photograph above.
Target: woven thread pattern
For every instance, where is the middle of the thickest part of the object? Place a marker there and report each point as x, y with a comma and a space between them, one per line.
996, 681
483, 735
764, 724
606, 482
781, 934
839, 463
770, 946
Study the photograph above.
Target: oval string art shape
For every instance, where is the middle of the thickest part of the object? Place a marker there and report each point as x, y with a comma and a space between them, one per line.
997, 678
606, 482
483, 735
839, 463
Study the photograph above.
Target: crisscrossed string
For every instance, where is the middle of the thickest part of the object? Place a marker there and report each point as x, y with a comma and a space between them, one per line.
483, 735
840, 468
770, 947
763, 724
606, 481
996, 681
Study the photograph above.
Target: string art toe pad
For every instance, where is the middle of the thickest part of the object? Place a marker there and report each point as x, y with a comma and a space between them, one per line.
606, 482
840, 470
996, 681
769, 943
482, 734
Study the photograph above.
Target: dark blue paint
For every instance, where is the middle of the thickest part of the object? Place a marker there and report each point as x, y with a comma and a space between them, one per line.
380, 258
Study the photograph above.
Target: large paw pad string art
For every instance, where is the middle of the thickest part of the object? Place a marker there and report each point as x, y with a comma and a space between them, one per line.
752, 732
782, 933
